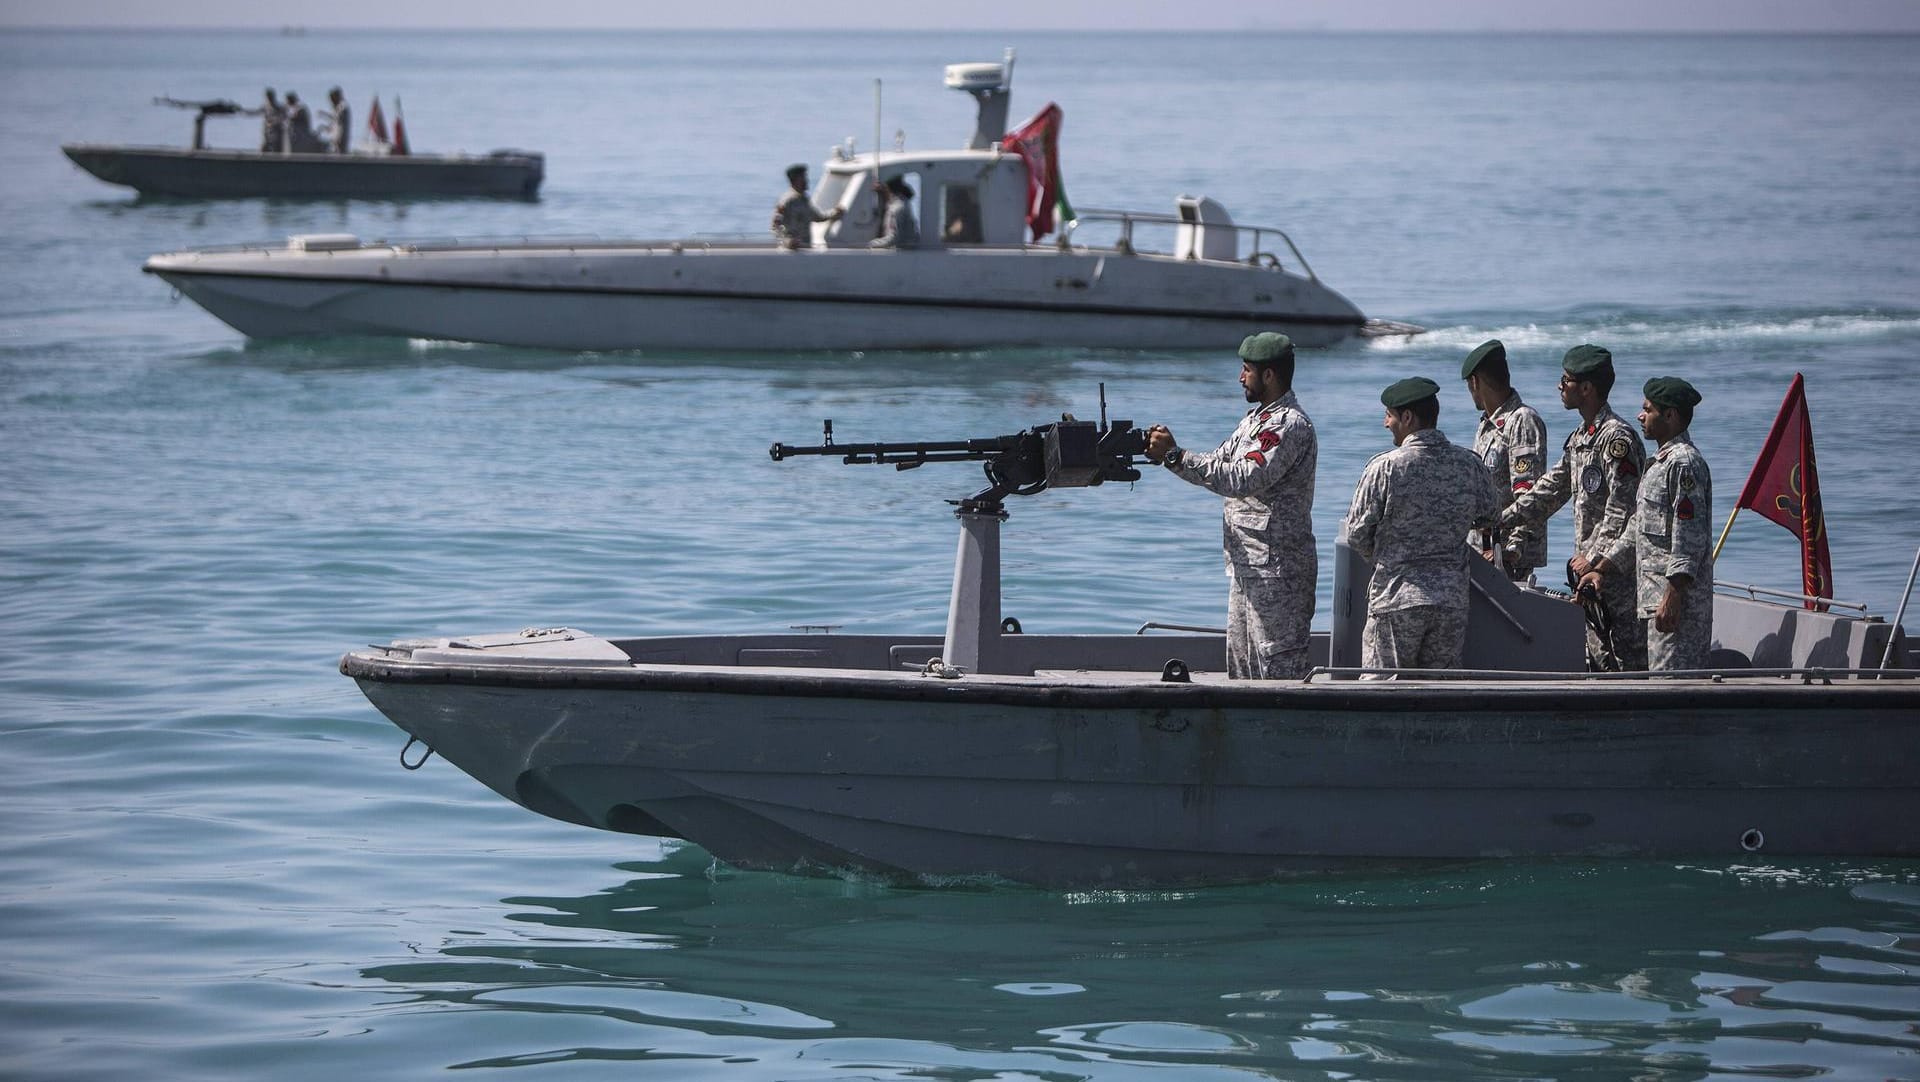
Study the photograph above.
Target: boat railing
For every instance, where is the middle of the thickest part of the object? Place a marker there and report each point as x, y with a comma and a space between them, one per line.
1755, 593
698, 242
1127, 219
501, 243
1805, 675
1156, 625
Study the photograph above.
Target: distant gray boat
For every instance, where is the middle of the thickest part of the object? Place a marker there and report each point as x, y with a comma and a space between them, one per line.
238, 174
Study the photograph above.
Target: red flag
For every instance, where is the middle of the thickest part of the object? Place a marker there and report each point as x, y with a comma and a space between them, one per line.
1785, 488
1038, 144
399, 130
377, 122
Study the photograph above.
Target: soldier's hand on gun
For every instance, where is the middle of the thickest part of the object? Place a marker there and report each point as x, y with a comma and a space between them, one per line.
1159, 442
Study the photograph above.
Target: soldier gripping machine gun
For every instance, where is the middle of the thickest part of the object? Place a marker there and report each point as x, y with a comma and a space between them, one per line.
1064, 454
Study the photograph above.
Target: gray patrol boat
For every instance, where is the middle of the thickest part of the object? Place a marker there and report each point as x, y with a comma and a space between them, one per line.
1127, 760
203, 172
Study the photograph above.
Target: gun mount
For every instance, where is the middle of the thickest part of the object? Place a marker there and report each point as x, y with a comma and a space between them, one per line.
216, 107
1067, 453
1063, 454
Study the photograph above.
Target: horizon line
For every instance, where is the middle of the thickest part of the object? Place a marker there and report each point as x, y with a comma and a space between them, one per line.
294, 30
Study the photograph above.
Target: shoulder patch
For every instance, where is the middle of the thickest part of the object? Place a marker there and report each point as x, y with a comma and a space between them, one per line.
1683, 509
1617, 447
1525, 464
1687, 483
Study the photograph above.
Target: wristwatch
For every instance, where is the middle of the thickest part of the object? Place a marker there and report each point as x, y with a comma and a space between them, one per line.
1172, 459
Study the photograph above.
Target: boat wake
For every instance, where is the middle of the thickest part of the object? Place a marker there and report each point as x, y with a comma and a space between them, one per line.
1644, 331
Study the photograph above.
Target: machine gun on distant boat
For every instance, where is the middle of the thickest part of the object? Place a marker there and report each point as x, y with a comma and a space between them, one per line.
1067, 453
215, 107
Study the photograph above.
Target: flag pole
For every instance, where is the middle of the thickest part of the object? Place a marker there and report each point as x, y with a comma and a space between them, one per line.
1718, 545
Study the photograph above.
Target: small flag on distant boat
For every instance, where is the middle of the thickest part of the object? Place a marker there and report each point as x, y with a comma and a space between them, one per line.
377, 123
1038, 144
399, 128
1784, 488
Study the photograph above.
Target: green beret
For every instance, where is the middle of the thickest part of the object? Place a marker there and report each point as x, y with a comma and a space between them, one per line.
1671, 392
1490, 350
1408, 391
1586, 360
1267, 347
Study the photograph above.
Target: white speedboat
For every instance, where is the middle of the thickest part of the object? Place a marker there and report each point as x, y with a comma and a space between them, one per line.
976, 279
1126, 760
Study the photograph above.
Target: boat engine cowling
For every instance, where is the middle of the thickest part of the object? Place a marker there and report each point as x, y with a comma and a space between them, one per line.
1206, 230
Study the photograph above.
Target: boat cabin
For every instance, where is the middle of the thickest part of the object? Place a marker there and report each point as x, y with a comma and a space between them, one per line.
962, 198
977, 196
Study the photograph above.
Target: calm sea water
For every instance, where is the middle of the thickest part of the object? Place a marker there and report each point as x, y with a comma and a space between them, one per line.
211, 865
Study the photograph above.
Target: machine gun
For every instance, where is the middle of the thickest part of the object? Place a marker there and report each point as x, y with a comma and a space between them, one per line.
216, 107
1063, 454
1067, 453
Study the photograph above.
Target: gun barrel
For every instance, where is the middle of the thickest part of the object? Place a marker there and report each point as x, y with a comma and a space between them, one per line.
217, 105
880, 453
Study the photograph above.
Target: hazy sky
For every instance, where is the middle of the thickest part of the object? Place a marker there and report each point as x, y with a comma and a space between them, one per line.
1442, 15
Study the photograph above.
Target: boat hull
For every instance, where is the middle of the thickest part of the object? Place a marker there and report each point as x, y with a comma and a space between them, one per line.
640, 296
228, 174
1071, 782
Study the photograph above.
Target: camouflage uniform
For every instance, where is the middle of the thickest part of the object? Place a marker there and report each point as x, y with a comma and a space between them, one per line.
1599, 468
299, 129
273, 129
339, 127
1671, 534
793, 219
901, 229
1410, 515
1512, 443
1265, 470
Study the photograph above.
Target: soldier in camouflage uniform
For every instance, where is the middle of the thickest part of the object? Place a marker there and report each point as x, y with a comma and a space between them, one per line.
1599, 469
339, 120
1410, 516
794, 215
1265, 470
273, 125
1512, 442
1669, 542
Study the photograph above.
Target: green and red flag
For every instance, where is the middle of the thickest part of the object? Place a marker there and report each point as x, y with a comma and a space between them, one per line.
1038, 144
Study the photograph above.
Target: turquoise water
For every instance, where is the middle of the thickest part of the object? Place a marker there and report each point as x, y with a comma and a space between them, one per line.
214, 867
